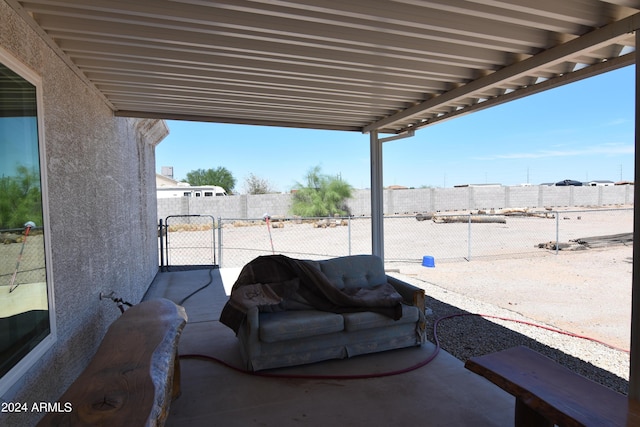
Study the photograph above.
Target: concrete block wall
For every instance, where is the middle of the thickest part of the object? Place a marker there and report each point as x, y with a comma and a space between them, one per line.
273, 204
447, 199
236, 207
585, 196
408, 202
523, 197
360, 203
487, 197
615, 194
556, 196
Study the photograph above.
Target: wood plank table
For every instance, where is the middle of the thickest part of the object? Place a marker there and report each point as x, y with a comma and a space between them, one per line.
549, 394
134, 374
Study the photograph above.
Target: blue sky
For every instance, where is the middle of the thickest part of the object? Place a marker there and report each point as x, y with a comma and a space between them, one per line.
582, 131
13, 151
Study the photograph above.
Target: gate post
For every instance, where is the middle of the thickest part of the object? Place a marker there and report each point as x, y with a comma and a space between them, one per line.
219, 242
161, 237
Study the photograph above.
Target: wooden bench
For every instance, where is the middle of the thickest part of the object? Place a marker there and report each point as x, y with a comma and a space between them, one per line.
549, 394
134, 374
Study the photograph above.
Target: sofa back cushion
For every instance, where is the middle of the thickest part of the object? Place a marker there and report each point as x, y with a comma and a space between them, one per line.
354, 271
290, 325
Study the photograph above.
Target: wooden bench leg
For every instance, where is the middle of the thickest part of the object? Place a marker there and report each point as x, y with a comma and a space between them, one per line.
528, 417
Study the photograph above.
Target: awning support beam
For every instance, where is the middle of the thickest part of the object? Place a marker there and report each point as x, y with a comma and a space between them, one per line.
634, 368
377, 207
377, 203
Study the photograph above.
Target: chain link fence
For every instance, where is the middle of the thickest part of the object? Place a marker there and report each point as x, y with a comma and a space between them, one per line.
22, 255
187, 240
312, 238
465, 237
407, 239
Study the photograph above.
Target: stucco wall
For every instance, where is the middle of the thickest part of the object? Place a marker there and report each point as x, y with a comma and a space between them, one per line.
407, 202
101, 191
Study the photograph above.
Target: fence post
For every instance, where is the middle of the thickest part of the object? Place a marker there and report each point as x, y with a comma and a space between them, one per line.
349, 232
161, 236
219, 242
557, 232
166, 243
213, 243
469, 240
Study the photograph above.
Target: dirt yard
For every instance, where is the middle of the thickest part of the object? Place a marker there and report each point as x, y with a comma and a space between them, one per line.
585, 292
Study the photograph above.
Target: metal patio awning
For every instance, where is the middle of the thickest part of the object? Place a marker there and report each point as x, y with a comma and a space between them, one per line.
356, 65
373, 66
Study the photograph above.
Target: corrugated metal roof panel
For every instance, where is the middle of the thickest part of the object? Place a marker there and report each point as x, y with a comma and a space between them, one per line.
357, 65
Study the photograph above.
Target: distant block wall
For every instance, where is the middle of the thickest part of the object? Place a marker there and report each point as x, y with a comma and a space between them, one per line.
408, 202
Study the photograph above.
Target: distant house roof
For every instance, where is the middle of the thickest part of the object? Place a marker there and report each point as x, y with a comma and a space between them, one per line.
568, 182
165, 181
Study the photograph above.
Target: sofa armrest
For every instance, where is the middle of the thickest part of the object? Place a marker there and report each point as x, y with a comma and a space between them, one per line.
411, 295
249, 337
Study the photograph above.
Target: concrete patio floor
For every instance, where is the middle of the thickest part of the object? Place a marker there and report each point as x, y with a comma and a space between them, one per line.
441, 393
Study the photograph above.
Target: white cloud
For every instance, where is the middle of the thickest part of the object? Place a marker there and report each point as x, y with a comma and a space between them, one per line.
617, 122
598, 150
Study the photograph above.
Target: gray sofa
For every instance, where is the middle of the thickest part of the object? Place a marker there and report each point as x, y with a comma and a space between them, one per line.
295, 334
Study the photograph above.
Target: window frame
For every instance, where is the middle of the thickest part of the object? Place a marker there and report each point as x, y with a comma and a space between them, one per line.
28, 361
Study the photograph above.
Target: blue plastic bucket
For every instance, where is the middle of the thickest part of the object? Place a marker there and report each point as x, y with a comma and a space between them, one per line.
427, 261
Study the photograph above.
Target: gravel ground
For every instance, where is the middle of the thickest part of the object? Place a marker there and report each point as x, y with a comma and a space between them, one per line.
585, 293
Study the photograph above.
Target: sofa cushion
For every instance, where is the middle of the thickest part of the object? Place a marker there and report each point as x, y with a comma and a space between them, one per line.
368, 320
355, 271
287, 325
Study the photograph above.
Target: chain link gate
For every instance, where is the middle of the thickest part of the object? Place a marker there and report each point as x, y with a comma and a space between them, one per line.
187, 240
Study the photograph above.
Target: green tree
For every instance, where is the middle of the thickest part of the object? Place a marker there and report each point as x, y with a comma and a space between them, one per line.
20, 199
257, 185
323, 195
219, 176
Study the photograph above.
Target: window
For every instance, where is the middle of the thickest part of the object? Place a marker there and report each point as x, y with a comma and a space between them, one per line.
208, 194
26, 311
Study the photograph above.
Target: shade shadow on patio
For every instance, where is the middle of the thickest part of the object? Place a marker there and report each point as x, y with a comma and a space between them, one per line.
440, 393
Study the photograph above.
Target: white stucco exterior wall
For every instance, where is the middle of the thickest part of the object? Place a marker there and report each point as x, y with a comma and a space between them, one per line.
102, 203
